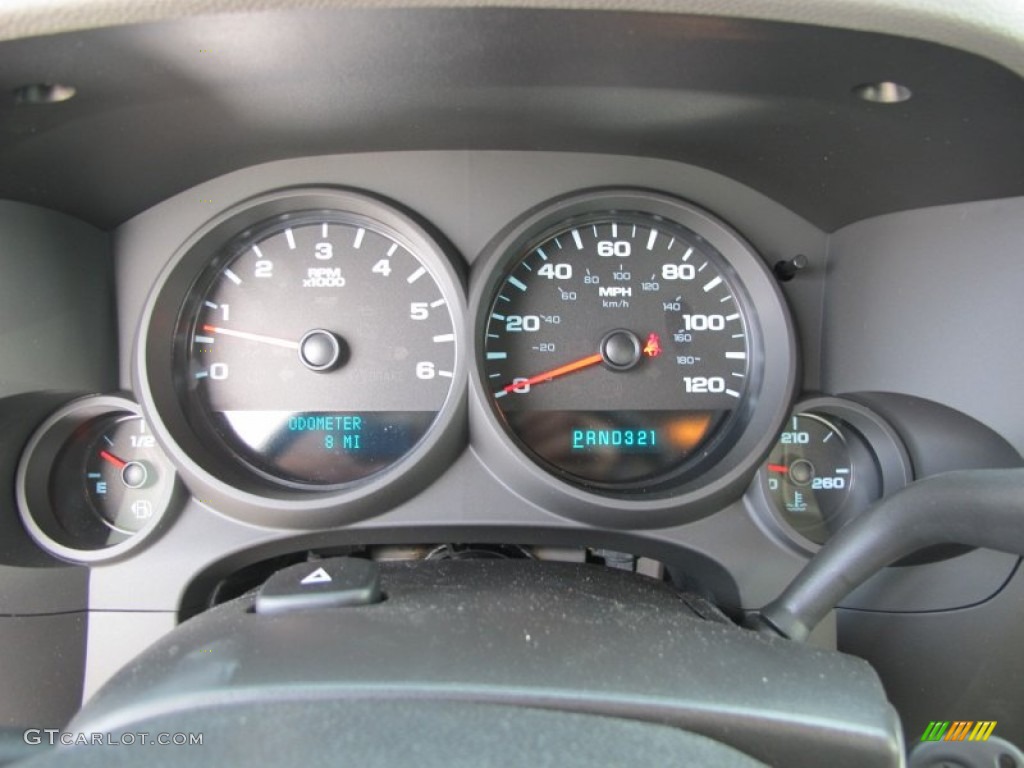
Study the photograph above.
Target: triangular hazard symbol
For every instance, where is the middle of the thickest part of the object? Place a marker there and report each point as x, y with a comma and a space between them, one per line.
319, 576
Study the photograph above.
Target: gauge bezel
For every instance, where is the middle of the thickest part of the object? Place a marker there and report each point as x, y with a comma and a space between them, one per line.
771, 337
888, 458
230, 487
856, 483
195, 408
724, 435
32, 482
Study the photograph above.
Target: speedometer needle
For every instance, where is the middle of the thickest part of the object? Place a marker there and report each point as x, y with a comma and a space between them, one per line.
554, 373
252, 337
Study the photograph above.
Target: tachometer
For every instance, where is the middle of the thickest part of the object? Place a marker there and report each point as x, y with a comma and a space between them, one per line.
321, 350
315, 349
622, 344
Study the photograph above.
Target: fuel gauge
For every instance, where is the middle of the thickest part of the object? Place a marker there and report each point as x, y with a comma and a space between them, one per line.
93, 483
126, 477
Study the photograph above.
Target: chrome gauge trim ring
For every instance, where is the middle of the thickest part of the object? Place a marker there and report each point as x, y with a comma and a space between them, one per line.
771, 336
232, 487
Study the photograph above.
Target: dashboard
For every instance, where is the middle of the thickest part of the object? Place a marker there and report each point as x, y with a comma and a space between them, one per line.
658, 290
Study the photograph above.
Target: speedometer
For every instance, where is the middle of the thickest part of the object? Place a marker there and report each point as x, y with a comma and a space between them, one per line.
647, 320
623, 349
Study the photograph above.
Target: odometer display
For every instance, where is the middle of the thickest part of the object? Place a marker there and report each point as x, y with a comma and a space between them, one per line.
618, 351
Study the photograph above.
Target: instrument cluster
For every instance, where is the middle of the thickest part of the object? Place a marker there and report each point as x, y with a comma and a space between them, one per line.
313, 356
305, 357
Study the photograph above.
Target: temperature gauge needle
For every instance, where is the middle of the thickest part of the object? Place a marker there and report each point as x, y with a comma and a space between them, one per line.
109, 457
252, 337
554, 373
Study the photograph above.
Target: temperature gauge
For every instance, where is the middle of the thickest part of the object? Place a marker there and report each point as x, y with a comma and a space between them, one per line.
833, 460
810, 473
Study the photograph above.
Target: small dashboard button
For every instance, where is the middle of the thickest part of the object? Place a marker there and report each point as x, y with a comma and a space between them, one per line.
333, 583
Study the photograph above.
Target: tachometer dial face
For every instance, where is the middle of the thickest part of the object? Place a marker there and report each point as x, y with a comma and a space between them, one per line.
317, 349
618, 350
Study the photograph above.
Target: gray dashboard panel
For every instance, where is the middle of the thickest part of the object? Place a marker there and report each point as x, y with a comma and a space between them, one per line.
57, 309
163, 106
44, 661
990, 28
57, 339
938, 665
928, 303
469, 196
910, 305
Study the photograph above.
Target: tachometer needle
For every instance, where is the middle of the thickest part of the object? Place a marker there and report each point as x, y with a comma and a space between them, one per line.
108, 456
554, 373
252, 337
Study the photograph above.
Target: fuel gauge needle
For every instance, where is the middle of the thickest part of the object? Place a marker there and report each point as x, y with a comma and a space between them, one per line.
108, 456
252, 337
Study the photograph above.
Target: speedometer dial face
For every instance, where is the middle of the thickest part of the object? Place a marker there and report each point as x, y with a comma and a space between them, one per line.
618, 350
317, 349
